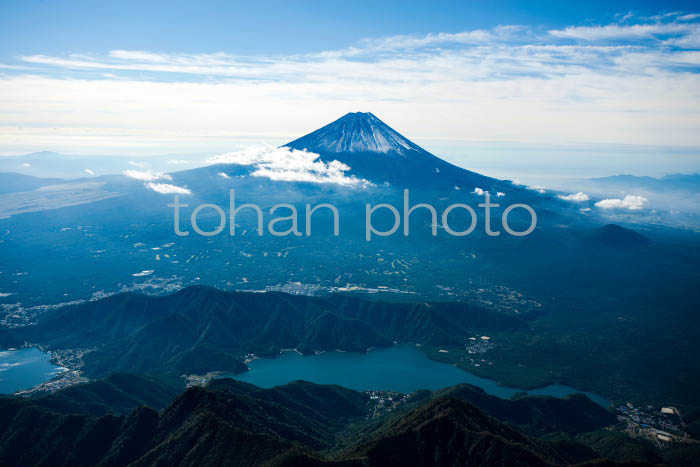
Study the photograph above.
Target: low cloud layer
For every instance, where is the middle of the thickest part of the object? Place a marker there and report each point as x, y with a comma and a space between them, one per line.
146, 176
290, 165
576, 197
630, 202
167, 189
143, 273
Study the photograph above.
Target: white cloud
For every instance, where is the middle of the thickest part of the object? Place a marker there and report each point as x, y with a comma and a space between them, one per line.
178, 161
247, 156
223, 174
631, 202
290, 165
392, 43
620, 31
89, 172
139, 164
499, 194
166, 189
538, 189
26, 164
479, 191
576, 197
146, 175
630, 82
143, 273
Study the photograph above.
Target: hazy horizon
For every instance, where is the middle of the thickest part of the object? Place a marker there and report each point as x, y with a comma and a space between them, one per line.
527, 163
532, 94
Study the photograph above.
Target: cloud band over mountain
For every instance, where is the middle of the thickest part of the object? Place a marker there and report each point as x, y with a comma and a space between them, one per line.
631, 82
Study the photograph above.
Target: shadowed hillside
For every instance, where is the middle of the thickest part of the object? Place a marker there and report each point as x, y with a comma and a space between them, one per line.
201, 329
232, 423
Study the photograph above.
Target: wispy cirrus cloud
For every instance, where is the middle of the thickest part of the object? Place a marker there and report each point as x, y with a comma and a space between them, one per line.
676, 29
624, 31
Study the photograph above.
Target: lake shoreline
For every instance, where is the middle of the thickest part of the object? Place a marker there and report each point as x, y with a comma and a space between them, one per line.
490, 386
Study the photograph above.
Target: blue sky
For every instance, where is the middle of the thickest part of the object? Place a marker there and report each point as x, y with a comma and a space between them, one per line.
280, 26
498, 86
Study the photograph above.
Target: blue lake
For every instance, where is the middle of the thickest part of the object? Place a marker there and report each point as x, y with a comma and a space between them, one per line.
402, 368
24, 368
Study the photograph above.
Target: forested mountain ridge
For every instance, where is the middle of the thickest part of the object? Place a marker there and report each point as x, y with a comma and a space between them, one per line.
233, 423
201, 329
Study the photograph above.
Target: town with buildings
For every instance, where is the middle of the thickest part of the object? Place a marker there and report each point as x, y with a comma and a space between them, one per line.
69, 362
383, 402
661, 426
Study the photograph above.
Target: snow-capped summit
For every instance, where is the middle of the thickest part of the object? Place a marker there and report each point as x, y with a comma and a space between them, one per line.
374, 151
356, 132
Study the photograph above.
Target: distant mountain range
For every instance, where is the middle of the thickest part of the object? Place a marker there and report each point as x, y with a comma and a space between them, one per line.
671, 182
673, 199
49, 164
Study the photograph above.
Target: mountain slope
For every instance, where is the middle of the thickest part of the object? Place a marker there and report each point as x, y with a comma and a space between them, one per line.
232, 423
448, 432
356, 132
537, 415
12, 182
376, 152
615, 236
118, 393
201, 329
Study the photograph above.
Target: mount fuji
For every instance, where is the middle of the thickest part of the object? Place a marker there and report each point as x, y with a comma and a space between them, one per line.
378, 153
124, 225
357, 132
